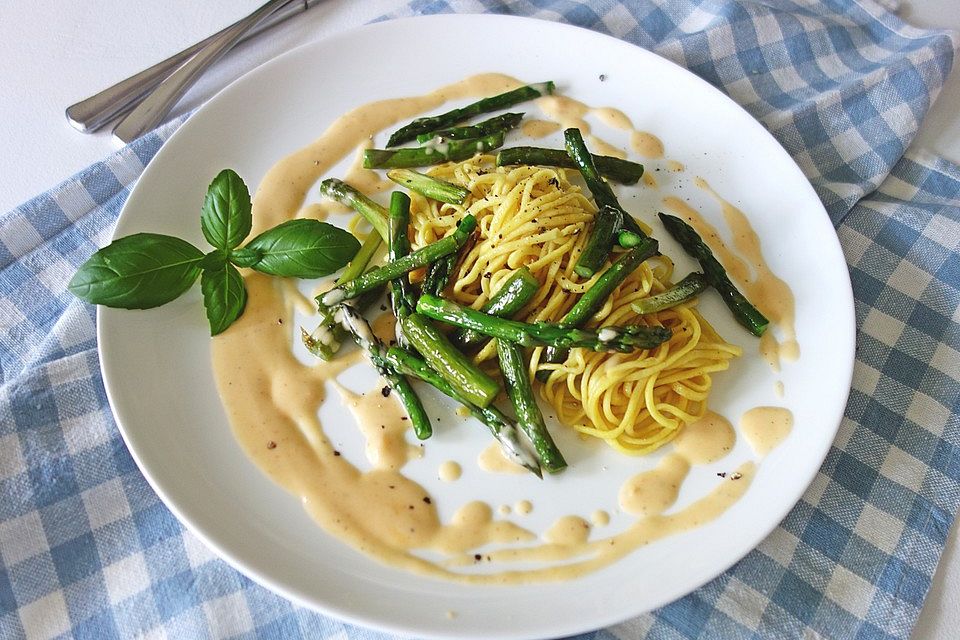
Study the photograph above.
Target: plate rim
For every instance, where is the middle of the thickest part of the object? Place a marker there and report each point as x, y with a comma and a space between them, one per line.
379, 624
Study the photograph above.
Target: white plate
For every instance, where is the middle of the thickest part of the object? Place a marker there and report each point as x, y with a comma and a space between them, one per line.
156, 364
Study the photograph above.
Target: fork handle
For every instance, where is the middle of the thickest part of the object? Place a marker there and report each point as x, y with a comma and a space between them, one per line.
154, 108
93, 113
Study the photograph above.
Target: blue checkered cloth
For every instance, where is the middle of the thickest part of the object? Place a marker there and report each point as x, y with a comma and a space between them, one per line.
87, 549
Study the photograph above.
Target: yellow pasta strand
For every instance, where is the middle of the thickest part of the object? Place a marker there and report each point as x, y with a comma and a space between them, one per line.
534, 217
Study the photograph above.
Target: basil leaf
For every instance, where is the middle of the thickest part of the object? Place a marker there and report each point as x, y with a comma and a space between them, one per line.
245, 257
141, 271
225, 218
224, 296
214, 260
303, 248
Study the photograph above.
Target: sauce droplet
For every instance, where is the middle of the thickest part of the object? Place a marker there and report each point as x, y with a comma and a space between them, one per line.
653, 492
600, 518
766, 427
449, 471
706, 440
646, 144
492, 460
539, 128
568, 531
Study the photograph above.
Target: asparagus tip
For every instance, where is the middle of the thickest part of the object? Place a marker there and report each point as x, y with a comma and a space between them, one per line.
584, 271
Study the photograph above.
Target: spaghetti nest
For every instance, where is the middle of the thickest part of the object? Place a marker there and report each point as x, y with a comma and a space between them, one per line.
534, 217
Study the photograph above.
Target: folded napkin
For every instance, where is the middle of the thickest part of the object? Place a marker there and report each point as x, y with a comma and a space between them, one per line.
87, 550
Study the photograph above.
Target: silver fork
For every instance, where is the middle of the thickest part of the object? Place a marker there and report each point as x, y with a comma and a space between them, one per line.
93, 113
154, 108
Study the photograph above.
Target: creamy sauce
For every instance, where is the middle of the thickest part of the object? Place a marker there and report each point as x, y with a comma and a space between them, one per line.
385, 326
568, 531
646, 145
766, 427
613, 118
673, 165
332, 206
600, 552
566, 112
539, 128
707, 440
381, 421
473, 525
654, 491
600, 518
493, 460
272, 402
601, 147
524, 507
450, 471
572, 113
778, 388
749, 270
315, 210
295, 299
366, 181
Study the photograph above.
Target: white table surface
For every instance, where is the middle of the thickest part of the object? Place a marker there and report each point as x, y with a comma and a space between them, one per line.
53, 54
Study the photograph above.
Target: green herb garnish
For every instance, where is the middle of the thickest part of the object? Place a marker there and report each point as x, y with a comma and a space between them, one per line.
146, 270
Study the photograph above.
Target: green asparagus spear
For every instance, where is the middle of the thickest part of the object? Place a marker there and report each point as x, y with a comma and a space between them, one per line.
456, 116
616, 169
578, 153
428, 186
325, 340
687, 288
745, 313
360, 261
396, 268
430, 154
594, 297
346, 195
602, 193
628, 239
631, 234
503, 122
403, 298
472, 383
623, 339
355, 323
529, 418
500, 426
517, 291
589, 262
438, 275
606, 225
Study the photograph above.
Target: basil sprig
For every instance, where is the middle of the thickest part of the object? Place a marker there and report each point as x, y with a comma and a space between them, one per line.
146, 270
226, 218
300, 249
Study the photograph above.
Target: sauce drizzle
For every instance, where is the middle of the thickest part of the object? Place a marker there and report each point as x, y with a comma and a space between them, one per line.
749, 270
272, 402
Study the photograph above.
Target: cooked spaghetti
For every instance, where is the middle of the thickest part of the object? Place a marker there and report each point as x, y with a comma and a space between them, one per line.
534, 216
